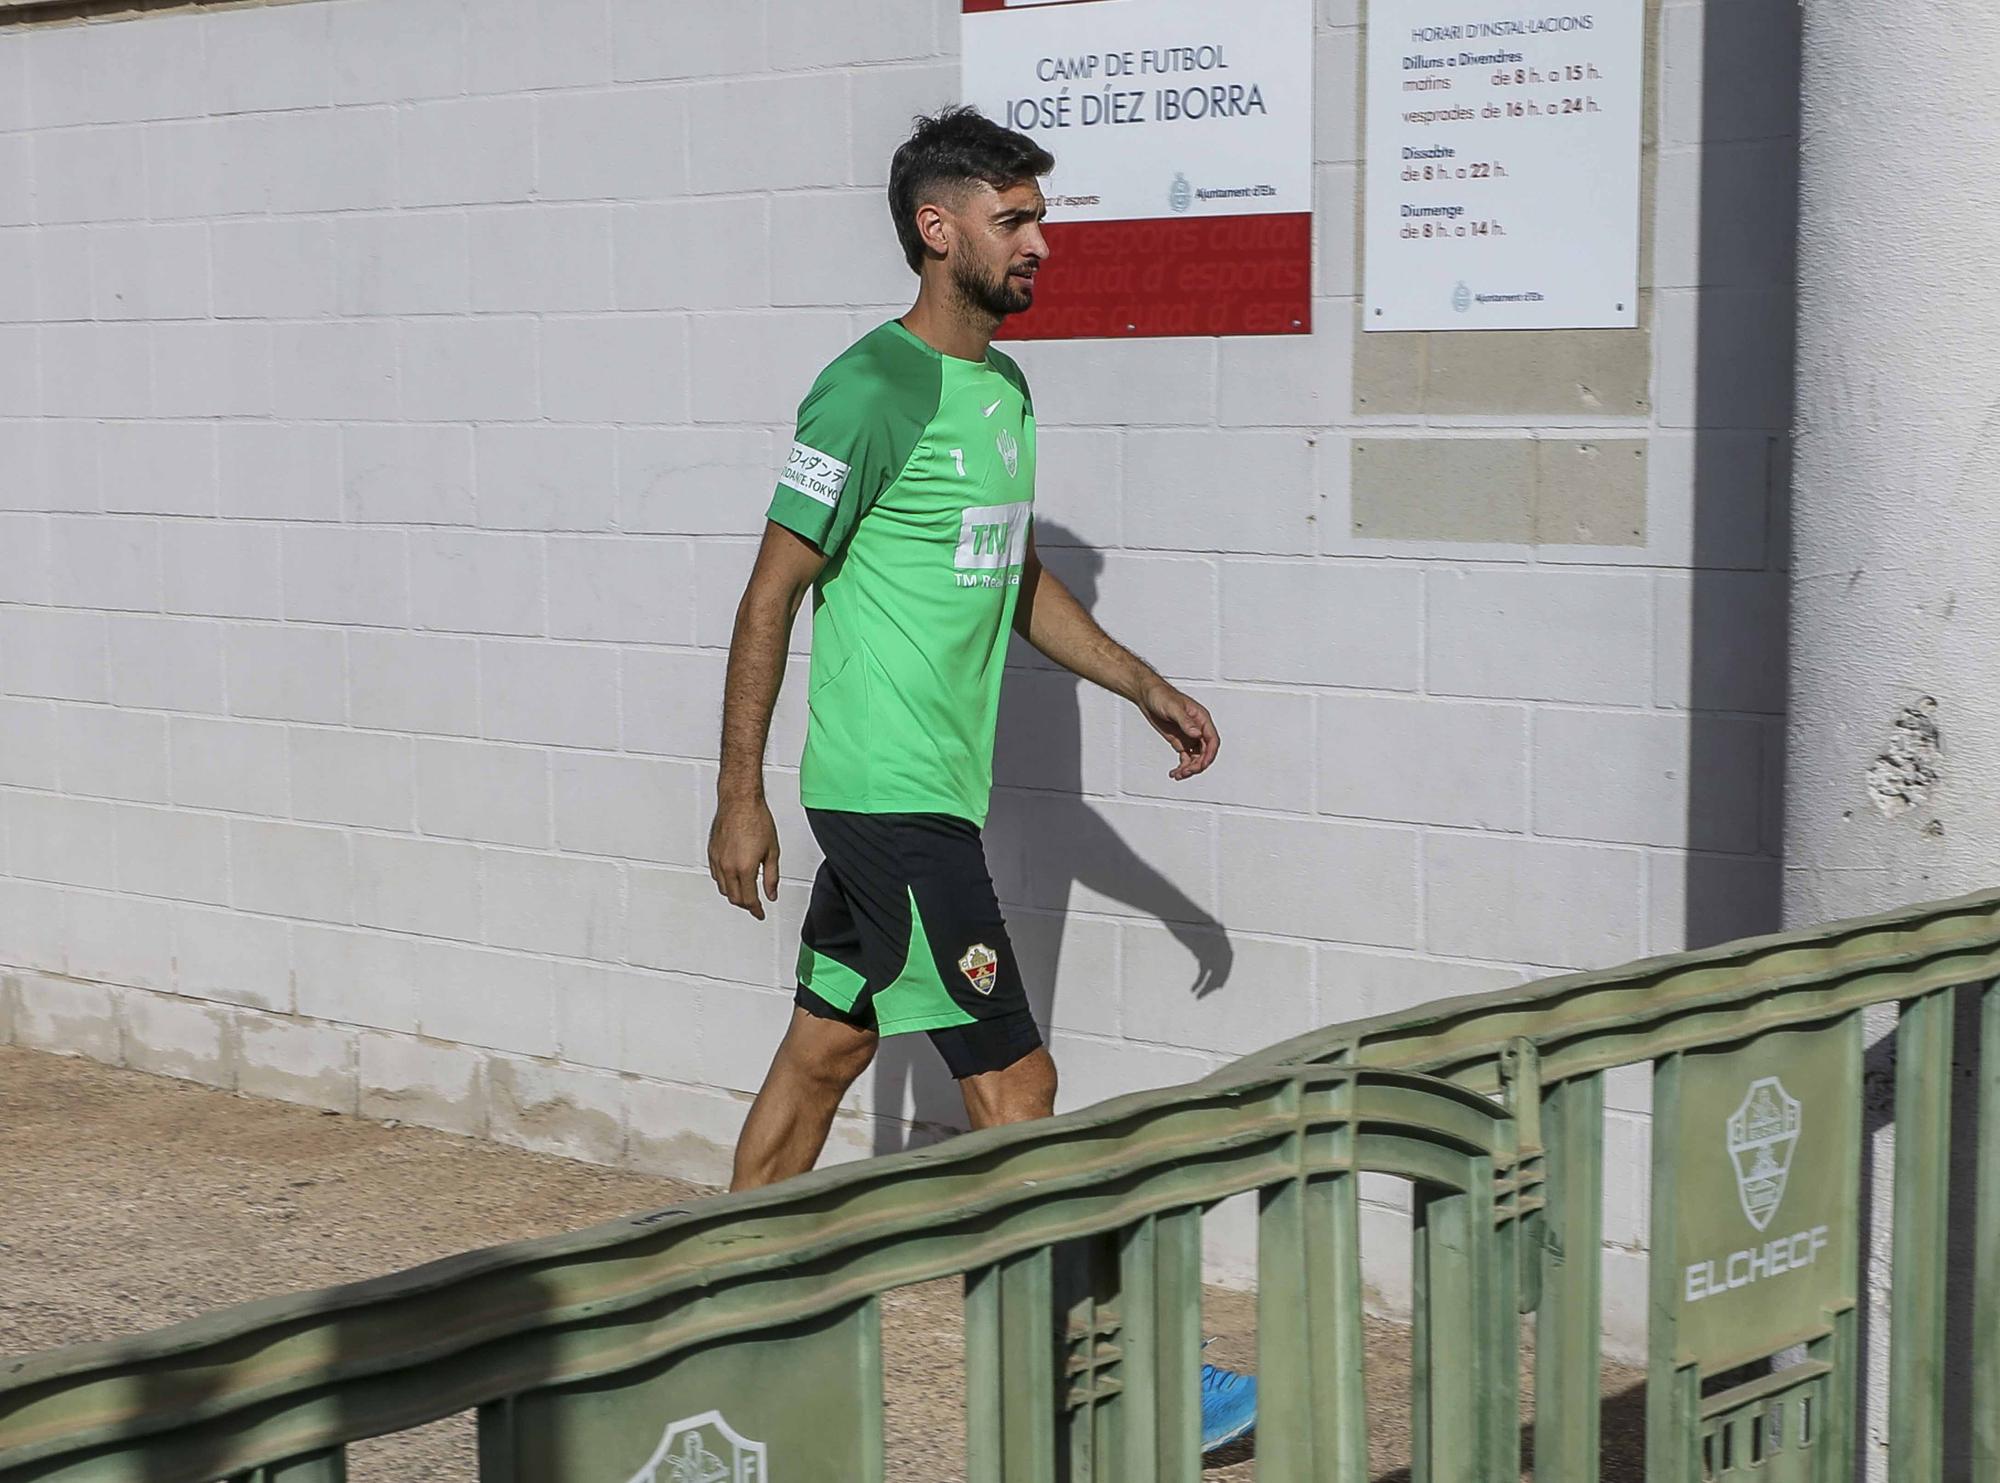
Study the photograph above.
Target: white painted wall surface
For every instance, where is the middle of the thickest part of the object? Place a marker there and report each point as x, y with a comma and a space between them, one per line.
389, 395
1893, 787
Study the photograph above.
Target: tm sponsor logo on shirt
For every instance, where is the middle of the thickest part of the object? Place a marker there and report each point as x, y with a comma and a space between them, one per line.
992, 542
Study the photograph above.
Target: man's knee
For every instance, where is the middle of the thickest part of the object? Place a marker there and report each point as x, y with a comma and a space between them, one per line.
838, 1068
826, 1052
1036, 1081
1017, 1093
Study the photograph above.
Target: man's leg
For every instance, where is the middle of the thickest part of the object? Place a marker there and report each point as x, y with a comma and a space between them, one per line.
1016, 1094
816, 1063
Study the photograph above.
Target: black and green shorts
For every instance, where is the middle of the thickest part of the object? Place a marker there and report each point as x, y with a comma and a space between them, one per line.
904, 933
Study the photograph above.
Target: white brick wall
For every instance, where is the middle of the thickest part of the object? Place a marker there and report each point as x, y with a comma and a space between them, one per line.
389, 394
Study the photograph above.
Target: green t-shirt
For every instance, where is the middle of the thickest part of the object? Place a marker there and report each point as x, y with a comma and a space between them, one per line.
914, 472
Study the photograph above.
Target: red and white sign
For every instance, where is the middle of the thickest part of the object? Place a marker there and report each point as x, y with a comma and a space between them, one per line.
1181, 202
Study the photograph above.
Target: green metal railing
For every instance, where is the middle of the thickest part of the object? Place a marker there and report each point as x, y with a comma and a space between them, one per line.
739, 1340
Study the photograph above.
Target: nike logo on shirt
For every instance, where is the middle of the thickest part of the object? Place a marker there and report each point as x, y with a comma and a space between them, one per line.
994, 408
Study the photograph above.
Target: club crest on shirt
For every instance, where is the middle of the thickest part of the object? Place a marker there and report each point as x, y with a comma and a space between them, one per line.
980, 965
1010, 451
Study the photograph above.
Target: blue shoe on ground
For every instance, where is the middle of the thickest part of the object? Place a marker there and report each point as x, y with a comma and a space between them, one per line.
1228, 1406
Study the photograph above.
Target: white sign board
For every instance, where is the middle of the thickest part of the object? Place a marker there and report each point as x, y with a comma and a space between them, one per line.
1181, 201
1503, 166
1131, 95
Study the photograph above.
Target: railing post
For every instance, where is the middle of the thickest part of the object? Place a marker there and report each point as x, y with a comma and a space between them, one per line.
1673, 1391
1160, 1308
1838, 1428
1516, 1222
1836, 1424
1138, 1289
1312, 1423
984, 1449
1177, 1312
1986, 1250
1496, 1288
1286, 1383
1451, 1402
1567, 1323
329, 1466
1333, 1248
496, 1442
1422, 1377
1010, 1371
1090, 1308
1918, 1250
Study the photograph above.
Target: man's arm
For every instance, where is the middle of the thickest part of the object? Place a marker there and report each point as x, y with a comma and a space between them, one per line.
1049, 617
743, 842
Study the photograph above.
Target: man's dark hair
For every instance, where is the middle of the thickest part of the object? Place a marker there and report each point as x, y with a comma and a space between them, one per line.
957, 146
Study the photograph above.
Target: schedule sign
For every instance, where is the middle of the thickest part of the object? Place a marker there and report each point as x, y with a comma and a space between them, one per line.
1181, 202
1503, 165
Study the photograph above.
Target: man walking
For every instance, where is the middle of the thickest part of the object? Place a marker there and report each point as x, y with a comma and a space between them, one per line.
906, 510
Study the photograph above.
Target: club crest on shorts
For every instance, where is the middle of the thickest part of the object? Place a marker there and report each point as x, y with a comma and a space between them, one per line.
980, 965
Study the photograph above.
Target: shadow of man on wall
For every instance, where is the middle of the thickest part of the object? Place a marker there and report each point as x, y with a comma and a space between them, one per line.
1054, 847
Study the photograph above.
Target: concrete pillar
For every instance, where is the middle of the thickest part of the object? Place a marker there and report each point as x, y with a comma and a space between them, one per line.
1893, 754
1893, 790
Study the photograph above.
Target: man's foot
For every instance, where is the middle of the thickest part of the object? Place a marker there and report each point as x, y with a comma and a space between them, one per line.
1228, 1406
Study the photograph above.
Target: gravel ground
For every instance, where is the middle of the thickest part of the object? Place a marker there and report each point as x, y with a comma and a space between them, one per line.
132, 1201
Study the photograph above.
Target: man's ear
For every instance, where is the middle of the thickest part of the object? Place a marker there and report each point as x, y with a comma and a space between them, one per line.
934, 228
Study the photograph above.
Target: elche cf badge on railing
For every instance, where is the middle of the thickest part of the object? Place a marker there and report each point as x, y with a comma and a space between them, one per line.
704, 1449
1764, 1142
1762, 1133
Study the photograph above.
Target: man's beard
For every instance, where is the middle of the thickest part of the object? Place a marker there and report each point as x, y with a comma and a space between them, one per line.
999, 297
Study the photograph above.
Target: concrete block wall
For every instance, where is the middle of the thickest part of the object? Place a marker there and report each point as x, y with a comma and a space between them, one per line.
389, 395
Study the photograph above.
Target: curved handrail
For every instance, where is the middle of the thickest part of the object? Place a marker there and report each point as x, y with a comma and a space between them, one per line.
258, 1378
1657, 1005
596, 1302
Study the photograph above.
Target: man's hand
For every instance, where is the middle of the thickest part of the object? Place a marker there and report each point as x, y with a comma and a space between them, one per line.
1049, 617
744, 841
742, 844
1185, 723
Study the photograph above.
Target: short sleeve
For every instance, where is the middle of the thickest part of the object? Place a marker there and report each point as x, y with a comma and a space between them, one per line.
843, 456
